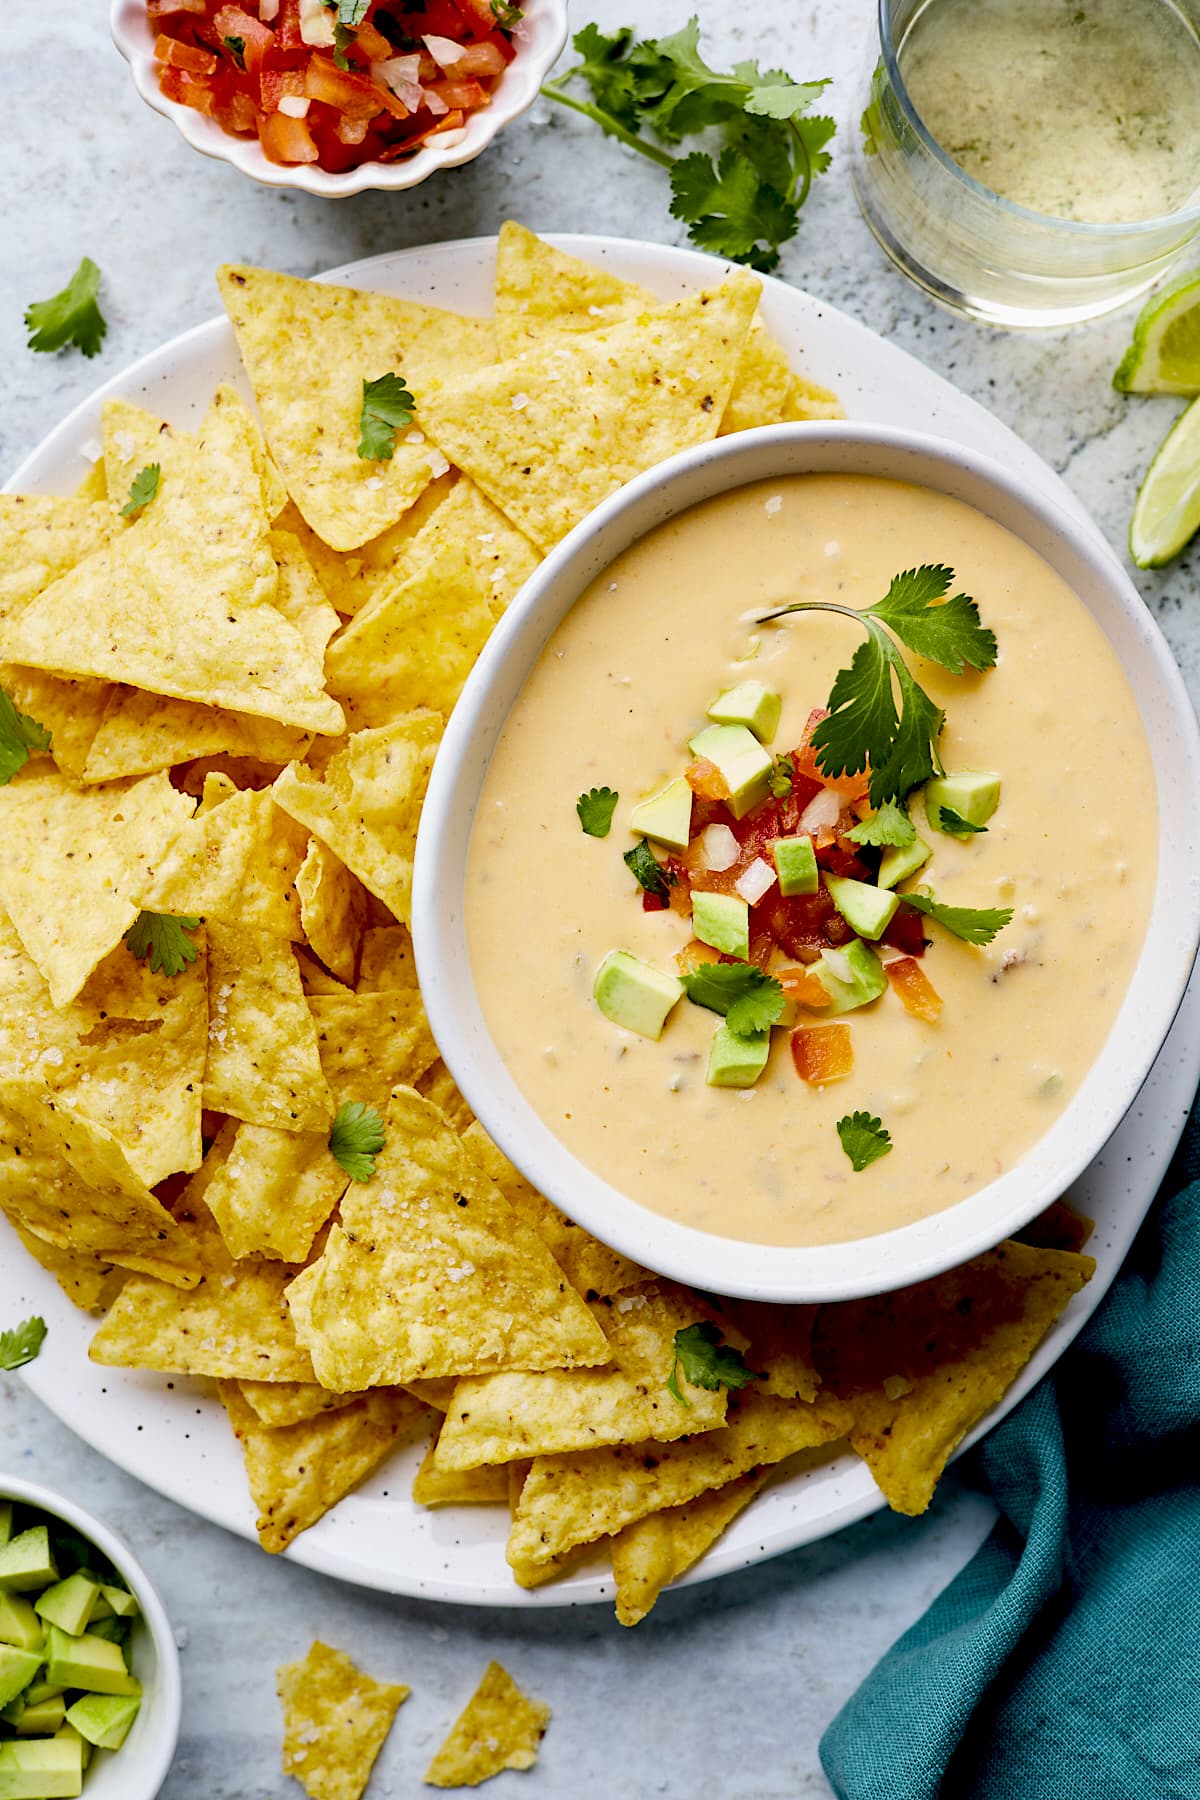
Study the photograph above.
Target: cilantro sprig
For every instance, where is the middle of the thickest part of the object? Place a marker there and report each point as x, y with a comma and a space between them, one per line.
749, 998
974, 924
71, 316
142, 490
888, 828
954, 823
647, 871
164, 938
356, 1139
707, 1362
864, 727
19, 734
387, 406
20, 1345
782, 777
864, 1139
741, 201
507, 16
595, 809
236, 47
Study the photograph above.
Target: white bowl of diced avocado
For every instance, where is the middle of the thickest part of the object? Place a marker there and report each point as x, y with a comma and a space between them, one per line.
89, 1673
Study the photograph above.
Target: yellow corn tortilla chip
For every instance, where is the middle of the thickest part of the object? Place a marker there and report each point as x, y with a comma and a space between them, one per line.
308, 348
469, 1487
551, 433
655, 1551
918, 1368
263, 1063
298, 1472
133, 439
139, 732
71, 711
366, 807
335, 1720
575, 1499
499, 1728
333, 910
808, 400
350, 578
274, 1192
1058, 1228
94, 485
241, 421
71, 864
217, 788
300, 596
372, 1043
431, 1273
387, 960
181, 601
314, 979
588, 1264
436, 1394
438, 1086
42, 536
290, 1402
88, 1281
418, 640
235, 866
780, 1345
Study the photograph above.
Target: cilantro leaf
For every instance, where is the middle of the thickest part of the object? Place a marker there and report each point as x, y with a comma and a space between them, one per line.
142, 491
21, 1345
387, 406
950, 633
954, 823
646, 869
606, 71
749, 998
595, 809
236, 47
706, 1361
352, 12
70, 317
165, 939
864, 1139
19, 734
506, 16
730, 210
782, 776
343, 39
888, 827
974, 924
356, 1139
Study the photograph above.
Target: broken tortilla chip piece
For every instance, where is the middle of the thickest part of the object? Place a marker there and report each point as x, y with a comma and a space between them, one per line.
499, 1728
780, 1340
335, 1720
290, 1402
300, 596
919, 1367
372, 1043
236, 865
263, 1064
439, 1086
242, 424
458, 1487
350, 579
139, 732
808, 400
387, 960
71, 711
133, 439
655, 1551
88, 1281
41, 537
333, 910
274, 1191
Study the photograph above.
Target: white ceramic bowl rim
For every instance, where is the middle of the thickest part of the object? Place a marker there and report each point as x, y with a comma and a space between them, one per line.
928, 1246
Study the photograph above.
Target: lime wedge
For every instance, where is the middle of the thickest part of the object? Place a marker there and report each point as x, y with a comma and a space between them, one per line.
1164, 357
1167, 511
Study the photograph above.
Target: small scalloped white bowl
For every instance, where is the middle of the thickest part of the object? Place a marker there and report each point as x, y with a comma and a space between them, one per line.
912, 1252
539, 38
138, 1769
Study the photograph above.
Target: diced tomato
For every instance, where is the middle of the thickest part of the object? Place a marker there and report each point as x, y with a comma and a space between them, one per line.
756, 833
805, 924
373, 45
257, 38
804, 789
478, 14
762, 940
440, 18
275, 84
906, 932
654, 902
850, 787
822, 1053
801, 985
841, 858
480, 59
681, 885
190, 90
708, 812
466, 96
287, 28
348, 90
706, 780
915, 989
286, 140
176, 55
695, 955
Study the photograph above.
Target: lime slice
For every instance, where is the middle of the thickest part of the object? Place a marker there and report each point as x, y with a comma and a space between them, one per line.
1164, 357
1167, 511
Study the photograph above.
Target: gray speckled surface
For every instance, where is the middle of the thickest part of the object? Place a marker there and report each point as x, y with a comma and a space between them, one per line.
635, 1713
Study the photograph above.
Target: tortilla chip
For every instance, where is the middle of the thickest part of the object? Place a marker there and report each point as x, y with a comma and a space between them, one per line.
588, 1264
71, 865
42, 536
217, 789
808, 400
290, 1402
551, 433
300, 597
437, 1394
181, 601
350, 579
263, 1063
372, 1043
139, 732
762, 386
920, 1367
71, 711
418, 640
387, 960
335, 1720
570, 1500
367, 806
469, 1487
333, 910
1058, 1228
274, 1192
431, 1273
313, 978
235, 866
298, 1472
657, 1550
94, 485
499, 1728
780, 1345
133, 439
308, 348
88, 1281
438, 1086
239, 419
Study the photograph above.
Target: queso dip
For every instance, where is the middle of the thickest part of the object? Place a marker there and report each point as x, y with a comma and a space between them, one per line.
1069, 850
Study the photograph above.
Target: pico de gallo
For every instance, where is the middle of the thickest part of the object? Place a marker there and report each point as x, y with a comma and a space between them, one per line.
335, 82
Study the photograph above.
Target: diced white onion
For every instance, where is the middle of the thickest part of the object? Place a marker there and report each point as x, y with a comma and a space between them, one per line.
821, 812
754, 882
399, 73
887, 953
434, 102
719, 848
268, 10
294, 106
838, 964
445, 139
316, 24
444, 51
91, 450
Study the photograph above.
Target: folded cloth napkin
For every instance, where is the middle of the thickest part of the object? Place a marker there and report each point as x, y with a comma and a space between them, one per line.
1064, 1662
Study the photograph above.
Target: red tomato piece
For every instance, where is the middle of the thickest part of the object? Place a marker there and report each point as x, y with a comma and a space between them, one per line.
654, 902
906, 931
467, 96
440, 18
481, 60
233, 22
842, 858
804, 789
274, 84
708, 812
478, 14
706, 780
175, 55
822, 1053
372, 44
805, 924
287, 28
189, 90
762, 940
286, 140
348, 90
695, 955
801, 985
916, 991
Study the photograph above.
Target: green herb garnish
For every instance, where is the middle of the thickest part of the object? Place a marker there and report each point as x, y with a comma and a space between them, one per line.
647, 871
864, 1139
782, 777
70, 317
954, 823
889, 827
974, 924
387, 406
749, 998
21, 1345
706, 1361
236, 47
595, 809
507, 17
142, 491
19, 734
164, 938
356, 1139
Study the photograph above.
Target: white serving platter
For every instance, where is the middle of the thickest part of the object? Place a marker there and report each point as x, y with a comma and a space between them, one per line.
170, 1432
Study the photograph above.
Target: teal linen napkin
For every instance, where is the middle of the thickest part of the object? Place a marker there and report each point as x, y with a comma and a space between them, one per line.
1064, 1662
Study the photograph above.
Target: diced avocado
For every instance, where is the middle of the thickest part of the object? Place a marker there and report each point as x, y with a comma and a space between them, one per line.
796, 866
114, 1629
751, 704
68, 1734
42, 1769
19, 1624
722, 920
737, 1062
6, 1513
17, 1670
37, 1691
867, 979
87, 1662
974, 795
665, 818
741, 760
121, 1601
44, 1719
634, 994
866, 909
104, 1719
101, 1611
69, 1604
896, 865
26, 1561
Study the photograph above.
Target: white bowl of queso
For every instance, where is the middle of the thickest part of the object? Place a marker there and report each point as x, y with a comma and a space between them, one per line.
600, 674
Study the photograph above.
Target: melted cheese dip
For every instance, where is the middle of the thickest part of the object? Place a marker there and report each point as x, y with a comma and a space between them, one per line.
623, 684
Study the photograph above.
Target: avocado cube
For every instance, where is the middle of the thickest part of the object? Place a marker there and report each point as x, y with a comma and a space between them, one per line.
752, 704
19, 1624
37, 1691
44, 1719
866, 978
68, 1734
898, 863
115, 1630
26, 1561
104, 1719
17, 1670
722, 920
634, 994
69, 1604
42, 1769
973, 794
735, 1061
796, 866
866, 909
6, 1516
121, 1601
87, 1662
665, 818
741, 760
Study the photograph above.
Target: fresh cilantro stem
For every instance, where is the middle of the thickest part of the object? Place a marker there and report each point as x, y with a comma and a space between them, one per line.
554, 91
